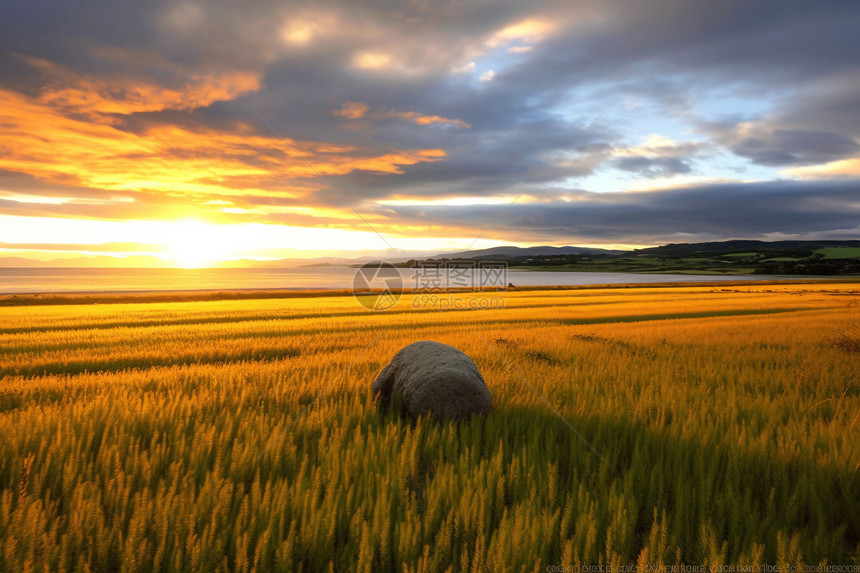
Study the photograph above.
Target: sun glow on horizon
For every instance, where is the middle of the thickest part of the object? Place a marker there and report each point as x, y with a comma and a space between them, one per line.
194, 244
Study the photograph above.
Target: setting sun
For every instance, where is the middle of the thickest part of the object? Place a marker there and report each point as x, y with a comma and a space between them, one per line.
193, 244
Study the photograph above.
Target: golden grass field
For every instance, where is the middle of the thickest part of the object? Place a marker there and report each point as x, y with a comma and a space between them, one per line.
700, 425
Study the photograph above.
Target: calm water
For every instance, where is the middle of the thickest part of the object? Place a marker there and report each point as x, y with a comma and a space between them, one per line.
29, 280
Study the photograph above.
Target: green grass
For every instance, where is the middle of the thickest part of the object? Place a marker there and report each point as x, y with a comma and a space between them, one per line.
740, 255
840, 252
702, 425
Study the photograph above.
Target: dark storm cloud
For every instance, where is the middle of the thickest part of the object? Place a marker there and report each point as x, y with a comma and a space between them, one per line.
800, 55
480, 166
673, 52
771, 41
726, 210
790, 147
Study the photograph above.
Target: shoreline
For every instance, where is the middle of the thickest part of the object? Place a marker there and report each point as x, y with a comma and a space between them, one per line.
203, 295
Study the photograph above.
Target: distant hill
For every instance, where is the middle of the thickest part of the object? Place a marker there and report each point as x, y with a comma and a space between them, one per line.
821, 258
507, 252
715, 249
20, 262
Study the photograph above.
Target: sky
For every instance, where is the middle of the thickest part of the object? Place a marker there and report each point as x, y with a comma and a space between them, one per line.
191, 133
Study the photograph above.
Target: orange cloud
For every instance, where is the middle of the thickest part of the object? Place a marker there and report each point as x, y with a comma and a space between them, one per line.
42, 141
352, 110
83, 94
421, 119
391, 163
358, 110
437, 153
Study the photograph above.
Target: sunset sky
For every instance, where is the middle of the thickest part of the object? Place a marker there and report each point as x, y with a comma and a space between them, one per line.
199, 132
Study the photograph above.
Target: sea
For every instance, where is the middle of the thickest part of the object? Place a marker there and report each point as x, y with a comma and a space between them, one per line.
92, 280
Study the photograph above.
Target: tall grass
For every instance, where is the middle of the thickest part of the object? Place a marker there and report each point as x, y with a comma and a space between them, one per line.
241, 435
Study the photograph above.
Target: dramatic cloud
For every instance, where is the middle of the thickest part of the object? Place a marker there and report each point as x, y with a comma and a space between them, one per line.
781, 147
52, 147
611, 121
706, 212
76, 93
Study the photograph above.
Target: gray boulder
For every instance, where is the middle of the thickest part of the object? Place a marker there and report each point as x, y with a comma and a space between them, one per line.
427, 377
